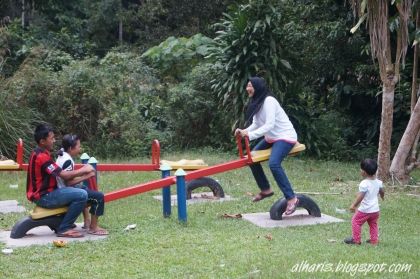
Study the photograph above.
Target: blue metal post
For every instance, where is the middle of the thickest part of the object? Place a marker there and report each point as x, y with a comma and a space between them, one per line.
166, 191
85, 158
181, 195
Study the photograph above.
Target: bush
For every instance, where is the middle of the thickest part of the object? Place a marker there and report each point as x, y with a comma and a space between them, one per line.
133, 107
193, 112
175, 57
113, 104
15, 123
13, 48
331, 135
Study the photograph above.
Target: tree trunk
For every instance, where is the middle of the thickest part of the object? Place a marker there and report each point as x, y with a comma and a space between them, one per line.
414, 84
384, 148
398, 168
120, 24
120, 32
414, 92
23, 13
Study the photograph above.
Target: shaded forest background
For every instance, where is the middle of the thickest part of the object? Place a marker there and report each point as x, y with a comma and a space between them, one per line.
121, 73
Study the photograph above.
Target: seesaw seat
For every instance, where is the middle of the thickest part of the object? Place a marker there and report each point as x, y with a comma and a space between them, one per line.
257, 156
39, 216
264, 155
8, 165
185, 164
40, 212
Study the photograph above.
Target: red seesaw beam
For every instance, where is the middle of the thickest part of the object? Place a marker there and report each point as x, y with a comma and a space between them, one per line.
124, 167
138, 189
164, 182
105, 167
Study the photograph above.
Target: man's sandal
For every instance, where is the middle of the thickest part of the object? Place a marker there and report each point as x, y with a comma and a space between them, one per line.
70, 234
262, 196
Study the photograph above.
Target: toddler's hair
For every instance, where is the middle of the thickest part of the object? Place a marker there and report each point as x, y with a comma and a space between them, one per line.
68, 141
369, 166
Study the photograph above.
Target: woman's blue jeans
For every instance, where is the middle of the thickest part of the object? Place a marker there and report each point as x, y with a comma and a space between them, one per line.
280, 149
72, 197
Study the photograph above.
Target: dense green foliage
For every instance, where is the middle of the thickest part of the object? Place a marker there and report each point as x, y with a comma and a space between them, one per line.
179, 70
194, 114
112, 103
248, 43
176, 56
335, 83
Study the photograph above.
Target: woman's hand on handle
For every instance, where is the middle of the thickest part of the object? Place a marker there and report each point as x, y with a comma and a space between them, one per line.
243, 133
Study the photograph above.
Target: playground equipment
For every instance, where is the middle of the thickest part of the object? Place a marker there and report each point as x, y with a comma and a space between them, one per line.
38, 217
52, 217
279, 207
198, 175
10, 165
245, 159
203, 182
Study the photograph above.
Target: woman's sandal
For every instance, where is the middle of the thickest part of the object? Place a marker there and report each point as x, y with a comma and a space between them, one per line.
70, 234
291, 207
262, 196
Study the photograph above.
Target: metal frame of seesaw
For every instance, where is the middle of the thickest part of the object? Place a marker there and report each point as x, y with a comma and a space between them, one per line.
166, 181
153, 166
170, 180
18, 165
155, 163
179, 179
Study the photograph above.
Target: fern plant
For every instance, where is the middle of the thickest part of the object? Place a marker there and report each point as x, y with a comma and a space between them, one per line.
248, 43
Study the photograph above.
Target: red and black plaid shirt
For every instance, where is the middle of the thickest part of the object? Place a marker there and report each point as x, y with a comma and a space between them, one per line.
42, 172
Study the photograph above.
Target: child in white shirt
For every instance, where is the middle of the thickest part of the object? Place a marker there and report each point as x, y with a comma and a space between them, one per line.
367, 198
70, 148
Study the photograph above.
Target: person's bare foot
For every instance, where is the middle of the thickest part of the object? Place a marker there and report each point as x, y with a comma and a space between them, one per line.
86, 224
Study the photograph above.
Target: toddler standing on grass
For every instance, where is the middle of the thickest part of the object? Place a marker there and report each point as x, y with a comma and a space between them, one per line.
367, 198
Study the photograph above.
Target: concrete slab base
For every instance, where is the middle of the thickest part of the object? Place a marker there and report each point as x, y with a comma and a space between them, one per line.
299, 218
43, 235
9, 206
198, 198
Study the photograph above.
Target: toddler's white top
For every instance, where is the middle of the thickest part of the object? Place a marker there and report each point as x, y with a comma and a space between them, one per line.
370, 187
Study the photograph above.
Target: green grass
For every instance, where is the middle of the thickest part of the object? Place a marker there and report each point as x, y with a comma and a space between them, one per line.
212, 247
